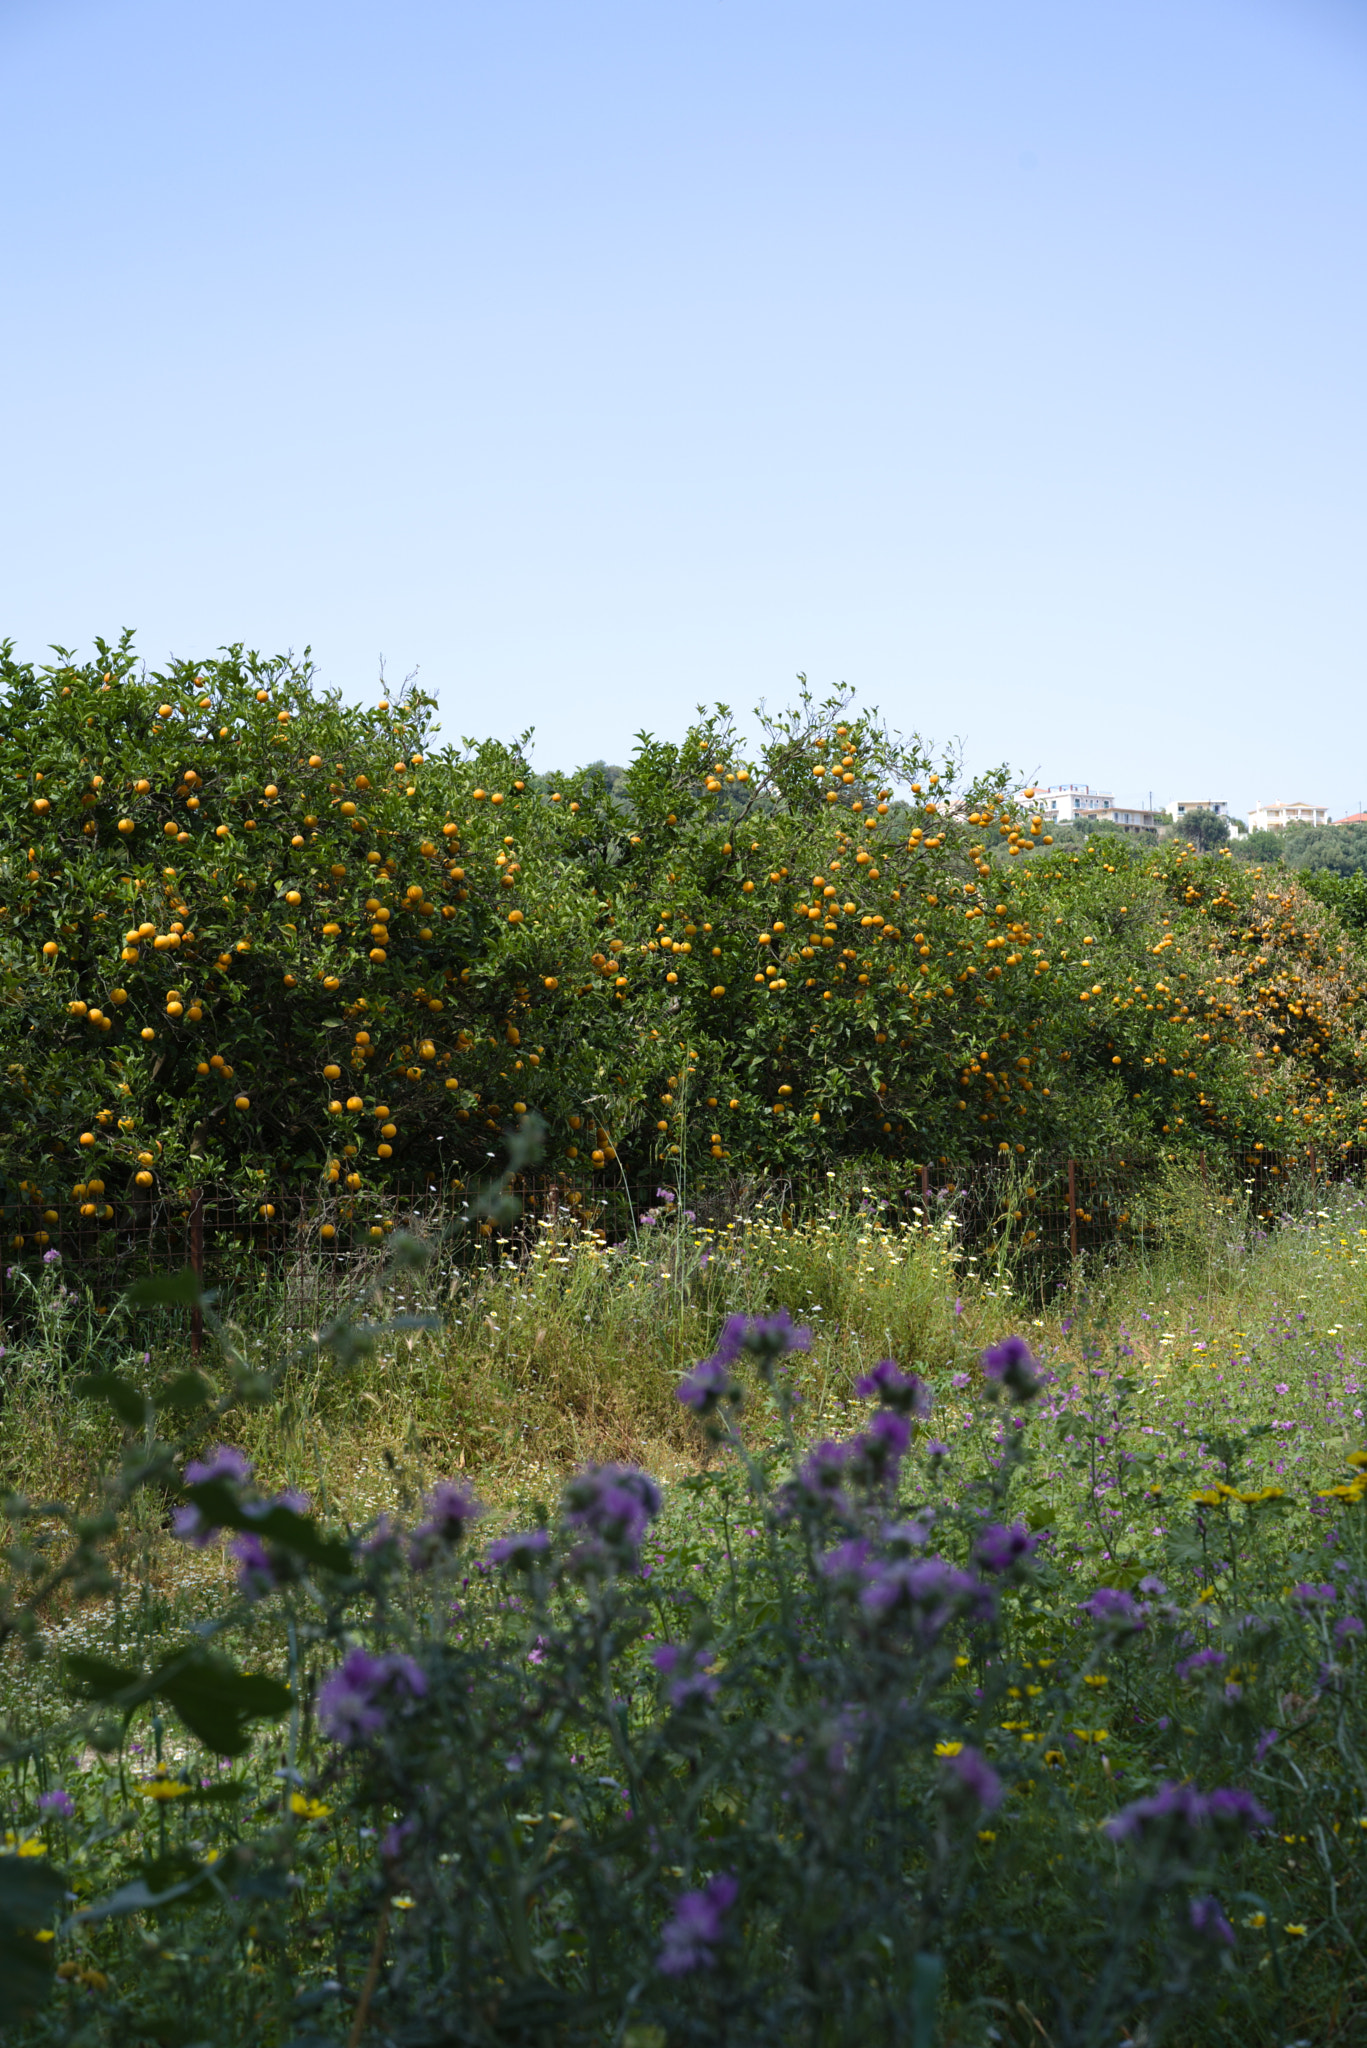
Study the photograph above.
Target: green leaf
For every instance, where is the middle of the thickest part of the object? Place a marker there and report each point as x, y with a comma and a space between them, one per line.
139, 1897
166, 1290
187, 1391
216, 1702
220, 1506
212, 1697
99, 1679
31, 1894
125, 1399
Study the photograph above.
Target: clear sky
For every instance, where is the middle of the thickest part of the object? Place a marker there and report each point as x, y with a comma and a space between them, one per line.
1004, 359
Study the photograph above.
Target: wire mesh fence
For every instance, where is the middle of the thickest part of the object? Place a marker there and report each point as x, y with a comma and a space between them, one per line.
298, 1253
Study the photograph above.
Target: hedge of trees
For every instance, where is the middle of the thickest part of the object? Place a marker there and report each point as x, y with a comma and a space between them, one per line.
246, 929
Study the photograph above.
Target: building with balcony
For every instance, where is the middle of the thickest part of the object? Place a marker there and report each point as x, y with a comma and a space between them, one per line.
1068, 801
1136, 821
1275, 817
1178, 810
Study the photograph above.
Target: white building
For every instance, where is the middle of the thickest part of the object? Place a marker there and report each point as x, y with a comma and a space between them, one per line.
1273, 817
1128, 820
1070, 800
1178, 811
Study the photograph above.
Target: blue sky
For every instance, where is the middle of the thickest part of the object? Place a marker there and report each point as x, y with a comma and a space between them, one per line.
1002, 360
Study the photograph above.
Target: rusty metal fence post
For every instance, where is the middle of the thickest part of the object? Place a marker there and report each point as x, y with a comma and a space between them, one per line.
1072, 1206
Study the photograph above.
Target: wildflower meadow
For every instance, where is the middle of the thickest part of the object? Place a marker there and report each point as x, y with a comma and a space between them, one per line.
1001, 1691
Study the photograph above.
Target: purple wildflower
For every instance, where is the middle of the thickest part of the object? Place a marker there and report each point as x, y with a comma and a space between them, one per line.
1237, 1807
612, 1504
690, 1939
451, 1508
906, 1393
1311, 1596
521, 1551
52, 1258
821, 1475
1204, 1660
874, 1457
395, 1838
1114, 1608
693, 1681
765, 1338
930, 1588
1263, 1744
350, 1708
57, 1801
224, 1461
1208, 1918
256, 1567
1014, 1365
189, 1526
998, 1548
935, 1449
709, 1384
848, 1563
1182, 1806
976, 1777
902, 1538
1348, 1626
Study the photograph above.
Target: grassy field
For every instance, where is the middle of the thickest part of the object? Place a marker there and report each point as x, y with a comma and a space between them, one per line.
1226, 1372
573, 1354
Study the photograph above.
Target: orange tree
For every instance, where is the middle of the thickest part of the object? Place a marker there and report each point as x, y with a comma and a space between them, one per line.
247, 931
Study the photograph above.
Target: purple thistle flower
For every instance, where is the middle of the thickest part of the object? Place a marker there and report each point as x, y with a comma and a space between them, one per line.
906, 1393
765, 1338
348, 1709
1312, 1596
189, 1526
451, 1508
693, 1681
1208, 1918
257, 1567
224, 1461
1184, 1808
821, 1475
708, 1385
1013, 1364
1114, 1608
350, 1706
903, 1538
57, 1801
1263, 1744
1237, 1807
998, 1548
929, 1588
1348, 1626
935, 1449
976, 1777
612, 1504
1204, 1660
521, 1551
848, 1563
691, 1938
395, 1838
